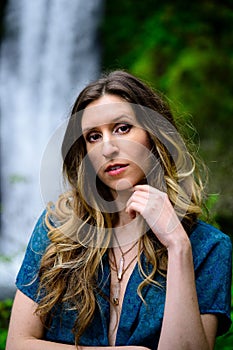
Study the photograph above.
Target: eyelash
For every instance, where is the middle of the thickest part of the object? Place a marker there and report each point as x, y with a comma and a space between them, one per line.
123, 126
116, 129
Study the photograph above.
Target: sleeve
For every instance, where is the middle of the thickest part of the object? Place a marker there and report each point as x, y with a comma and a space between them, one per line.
213, 273
27, 280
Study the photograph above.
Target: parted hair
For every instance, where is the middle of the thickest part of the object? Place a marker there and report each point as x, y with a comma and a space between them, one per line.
72, 262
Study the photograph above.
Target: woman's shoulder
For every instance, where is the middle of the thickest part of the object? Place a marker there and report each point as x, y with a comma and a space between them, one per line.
205, 231
39, 237
207, 239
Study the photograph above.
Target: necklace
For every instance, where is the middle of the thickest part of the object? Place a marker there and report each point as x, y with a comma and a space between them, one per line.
120, 269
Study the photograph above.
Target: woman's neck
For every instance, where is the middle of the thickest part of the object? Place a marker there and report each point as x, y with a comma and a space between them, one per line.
126, 228
121, 199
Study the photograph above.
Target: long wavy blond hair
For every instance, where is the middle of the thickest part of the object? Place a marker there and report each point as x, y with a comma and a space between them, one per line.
71, 265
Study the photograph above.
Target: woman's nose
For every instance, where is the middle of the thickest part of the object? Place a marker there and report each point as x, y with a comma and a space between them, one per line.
109, 148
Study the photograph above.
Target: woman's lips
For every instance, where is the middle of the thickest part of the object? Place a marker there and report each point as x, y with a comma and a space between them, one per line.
116, 169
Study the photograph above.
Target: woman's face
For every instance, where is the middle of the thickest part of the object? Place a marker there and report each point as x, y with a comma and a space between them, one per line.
118, 148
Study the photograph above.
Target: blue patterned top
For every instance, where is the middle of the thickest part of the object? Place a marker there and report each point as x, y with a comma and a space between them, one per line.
140, 324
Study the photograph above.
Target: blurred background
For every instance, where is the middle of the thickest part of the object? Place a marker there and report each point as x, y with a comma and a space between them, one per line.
51, 49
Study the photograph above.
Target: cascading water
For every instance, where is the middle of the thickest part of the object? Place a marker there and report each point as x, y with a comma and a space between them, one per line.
49, 53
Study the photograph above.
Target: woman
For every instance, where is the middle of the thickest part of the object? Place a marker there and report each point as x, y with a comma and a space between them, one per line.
122, 260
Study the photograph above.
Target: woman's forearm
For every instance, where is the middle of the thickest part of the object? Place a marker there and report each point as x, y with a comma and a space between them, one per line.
182, 326
129, 347
38, 344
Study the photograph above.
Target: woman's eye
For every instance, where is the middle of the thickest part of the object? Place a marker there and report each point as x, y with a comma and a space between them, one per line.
123, 128
93, 137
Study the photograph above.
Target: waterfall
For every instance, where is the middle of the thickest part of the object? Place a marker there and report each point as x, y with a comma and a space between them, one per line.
49, 53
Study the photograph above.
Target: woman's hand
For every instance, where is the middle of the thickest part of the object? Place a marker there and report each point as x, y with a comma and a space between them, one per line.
156, 208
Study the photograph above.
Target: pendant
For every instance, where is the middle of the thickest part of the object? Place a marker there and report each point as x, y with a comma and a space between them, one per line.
115, 301
116, 293
121, 268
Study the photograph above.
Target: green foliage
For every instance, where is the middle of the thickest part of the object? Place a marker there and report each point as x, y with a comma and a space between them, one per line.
210, 205
225, 341
17, 178
5, 258
5, 309
184, 49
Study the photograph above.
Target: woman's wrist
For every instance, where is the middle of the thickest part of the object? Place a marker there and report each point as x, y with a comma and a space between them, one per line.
179, 246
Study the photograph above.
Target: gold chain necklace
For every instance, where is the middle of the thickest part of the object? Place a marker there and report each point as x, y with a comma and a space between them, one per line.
120, 269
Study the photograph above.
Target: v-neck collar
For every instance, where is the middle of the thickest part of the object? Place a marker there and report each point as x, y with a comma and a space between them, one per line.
131, 304
131, 301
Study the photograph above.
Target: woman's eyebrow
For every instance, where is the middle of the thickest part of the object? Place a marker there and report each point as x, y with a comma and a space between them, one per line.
123, 117
88, 128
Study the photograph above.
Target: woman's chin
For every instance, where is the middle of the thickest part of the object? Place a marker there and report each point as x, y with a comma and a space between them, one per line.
123, 185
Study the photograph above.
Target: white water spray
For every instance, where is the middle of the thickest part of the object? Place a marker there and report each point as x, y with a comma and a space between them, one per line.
49, 53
